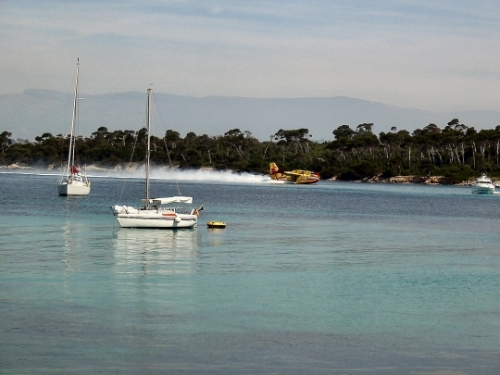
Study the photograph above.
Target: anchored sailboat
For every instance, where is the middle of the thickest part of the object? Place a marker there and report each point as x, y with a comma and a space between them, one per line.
72, 181
157, 212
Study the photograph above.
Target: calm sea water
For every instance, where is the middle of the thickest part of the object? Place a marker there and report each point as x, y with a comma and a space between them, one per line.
335, 278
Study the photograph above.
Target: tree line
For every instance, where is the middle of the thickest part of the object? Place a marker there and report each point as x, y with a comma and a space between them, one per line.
457, 152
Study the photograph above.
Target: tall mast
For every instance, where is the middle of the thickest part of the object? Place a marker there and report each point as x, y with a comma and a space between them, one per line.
148, 151
71, 153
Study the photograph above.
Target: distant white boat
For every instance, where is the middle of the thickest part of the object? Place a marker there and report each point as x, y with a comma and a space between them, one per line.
157, 212
73, 181
483, 185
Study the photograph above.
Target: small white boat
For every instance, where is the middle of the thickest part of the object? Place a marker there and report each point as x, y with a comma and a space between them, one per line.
157, 212
72, 181
483, 185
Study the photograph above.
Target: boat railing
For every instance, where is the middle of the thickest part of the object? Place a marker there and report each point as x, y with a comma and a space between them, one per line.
179, 210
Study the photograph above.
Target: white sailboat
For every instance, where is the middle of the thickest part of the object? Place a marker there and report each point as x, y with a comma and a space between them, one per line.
157, 212
72, 181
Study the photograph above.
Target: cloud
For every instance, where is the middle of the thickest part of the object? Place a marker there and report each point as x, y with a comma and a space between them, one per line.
435, 55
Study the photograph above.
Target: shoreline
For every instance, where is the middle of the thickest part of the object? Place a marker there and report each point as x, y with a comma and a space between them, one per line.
133, 168
413, 179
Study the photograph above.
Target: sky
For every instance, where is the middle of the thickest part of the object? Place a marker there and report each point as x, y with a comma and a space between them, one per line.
437, 55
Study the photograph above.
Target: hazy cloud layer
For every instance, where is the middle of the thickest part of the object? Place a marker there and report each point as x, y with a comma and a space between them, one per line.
434, 55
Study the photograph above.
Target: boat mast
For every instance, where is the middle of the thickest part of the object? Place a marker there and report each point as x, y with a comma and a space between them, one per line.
148, 151
71, 153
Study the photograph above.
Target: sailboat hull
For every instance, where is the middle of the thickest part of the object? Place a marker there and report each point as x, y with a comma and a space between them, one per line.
148, 219
73, 188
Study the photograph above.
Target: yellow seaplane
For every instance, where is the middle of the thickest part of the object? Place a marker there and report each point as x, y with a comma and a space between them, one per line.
297, 176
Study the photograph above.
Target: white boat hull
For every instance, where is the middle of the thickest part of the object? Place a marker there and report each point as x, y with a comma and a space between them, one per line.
483, 190
154, 219
73, 188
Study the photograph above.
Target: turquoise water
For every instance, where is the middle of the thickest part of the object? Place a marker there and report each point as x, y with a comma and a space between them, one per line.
335, 278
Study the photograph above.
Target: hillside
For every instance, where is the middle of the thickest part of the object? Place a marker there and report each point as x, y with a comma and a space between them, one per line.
34, 112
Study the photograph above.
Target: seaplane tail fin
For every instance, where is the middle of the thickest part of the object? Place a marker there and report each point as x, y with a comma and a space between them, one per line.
273, 168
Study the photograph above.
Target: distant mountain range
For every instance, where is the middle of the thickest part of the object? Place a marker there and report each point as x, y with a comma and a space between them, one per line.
35, 112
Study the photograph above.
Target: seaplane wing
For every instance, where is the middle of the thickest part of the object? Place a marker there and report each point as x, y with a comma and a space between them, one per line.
297, 173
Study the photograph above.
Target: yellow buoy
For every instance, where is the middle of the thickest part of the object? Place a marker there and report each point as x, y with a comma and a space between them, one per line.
216, 224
